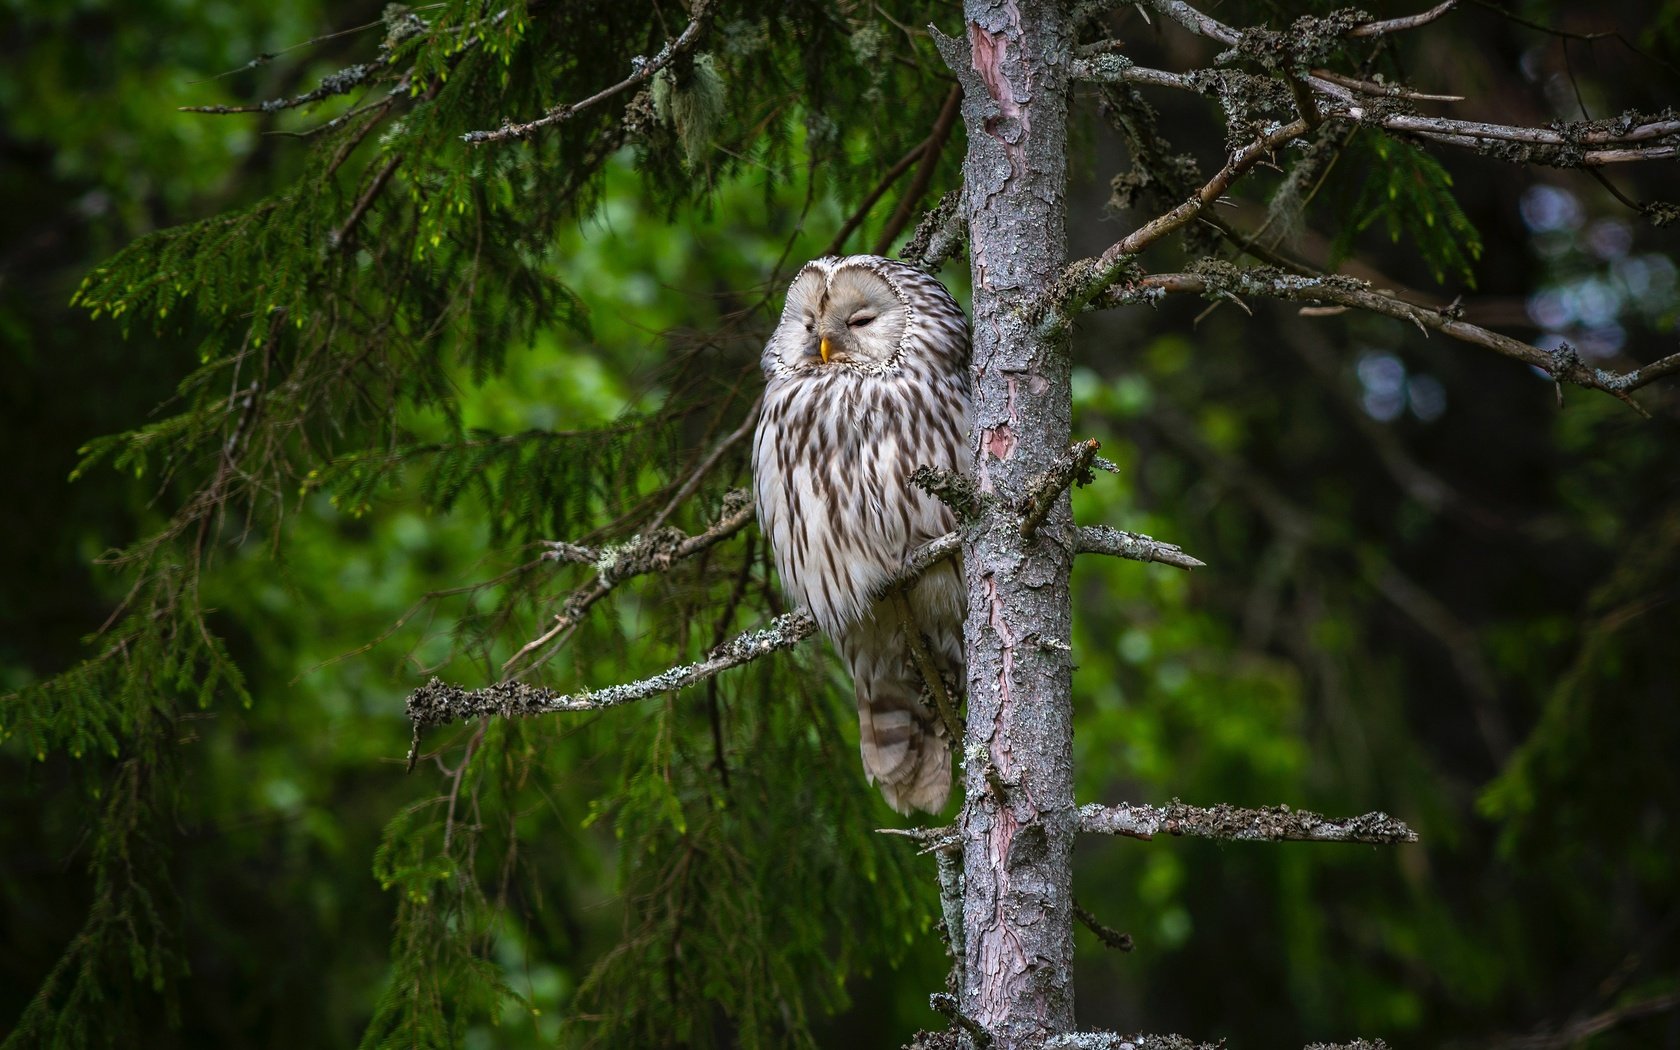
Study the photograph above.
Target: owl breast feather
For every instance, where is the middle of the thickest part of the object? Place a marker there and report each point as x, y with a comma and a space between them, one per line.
832, 463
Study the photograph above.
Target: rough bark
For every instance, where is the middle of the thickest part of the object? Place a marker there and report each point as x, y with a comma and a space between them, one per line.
1018, 821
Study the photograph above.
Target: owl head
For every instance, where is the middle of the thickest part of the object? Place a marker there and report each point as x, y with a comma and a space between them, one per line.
850, 314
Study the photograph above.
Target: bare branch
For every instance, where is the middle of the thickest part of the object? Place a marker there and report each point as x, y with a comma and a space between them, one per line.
1339, 97
938, 236
1585, 143
1116, 1041
931, 678
1395, 25
950, 487
700, 472
947, 1005
1232, 824
1084, 280
1383, 90
1578, 1032
1102, 539
342, 82
1120, 942
643, 71
1195, 21
1146, 1041
365, 201
1562, 364
1110, 68
438, 703
652, 551
1073, 468
930, 150
944, 839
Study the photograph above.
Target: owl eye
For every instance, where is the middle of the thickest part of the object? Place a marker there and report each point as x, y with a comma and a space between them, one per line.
860, 320
810, 326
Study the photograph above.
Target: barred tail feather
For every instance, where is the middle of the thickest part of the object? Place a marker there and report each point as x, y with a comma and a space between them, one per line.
904, 748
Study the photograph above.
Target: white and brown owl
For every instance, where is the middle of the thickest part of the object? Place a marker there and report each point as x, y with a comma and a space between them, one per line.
866, 380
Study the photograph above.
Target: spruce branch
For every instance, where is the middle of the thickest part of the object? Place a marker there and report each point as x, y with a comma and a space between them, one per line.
1234, 824
438, 703
643, 70
1396, 25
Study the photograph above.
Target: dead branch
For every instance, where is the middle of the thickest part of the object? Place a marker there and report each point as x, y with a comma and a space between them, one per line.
1232, 824
1109, 936
1103, 539
1578, 1032
1084, 280
1562, 364
1395, 25
439, 703
1073, 468
652, 551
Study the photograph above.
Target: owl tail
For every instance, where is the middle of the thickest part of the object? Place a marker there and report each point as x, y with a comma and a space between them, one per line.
903, 744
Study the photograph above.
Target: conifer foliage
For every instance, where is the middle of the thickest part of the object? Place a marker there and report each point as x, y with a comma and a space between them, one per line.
335, 338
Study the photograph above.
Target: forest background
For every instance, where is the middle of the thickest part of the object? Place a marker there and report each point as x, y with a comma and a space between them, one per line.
1429, 590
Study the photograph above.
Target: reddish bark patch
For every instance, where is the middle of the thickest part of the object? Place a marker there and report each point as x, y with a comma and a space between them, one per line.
1009, 124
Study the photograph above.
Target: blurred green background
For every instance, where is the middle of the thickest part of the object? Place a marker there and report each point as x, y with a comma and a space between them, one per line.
1429, 592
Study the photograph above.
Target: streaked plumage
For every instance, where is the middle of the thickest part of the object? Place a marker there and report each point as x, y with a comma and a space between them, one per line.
866, 380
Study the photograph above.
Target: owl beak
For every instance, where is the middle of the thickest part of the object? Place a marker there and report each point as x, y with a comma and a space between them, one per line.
822, 348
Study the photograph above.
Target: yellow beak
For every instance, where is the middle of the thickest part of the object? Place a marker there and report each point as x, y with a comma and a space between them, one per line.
822, 348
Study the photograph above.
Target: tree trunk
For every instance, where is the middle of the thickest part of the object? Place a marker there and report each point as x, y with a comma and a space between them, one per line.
1019, 820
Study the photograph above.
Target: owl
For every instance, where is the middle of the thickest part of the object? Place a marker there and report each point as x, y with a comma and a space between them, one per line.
866, 379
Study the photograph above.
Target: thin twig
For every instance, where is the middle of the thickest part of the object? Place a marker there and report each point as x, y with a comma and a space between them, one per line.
1578, 1032
931, 148
931, 677
1395, 25
693, 481
1562, 364
1120, 942
654, 550
947, 1005
339, 236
